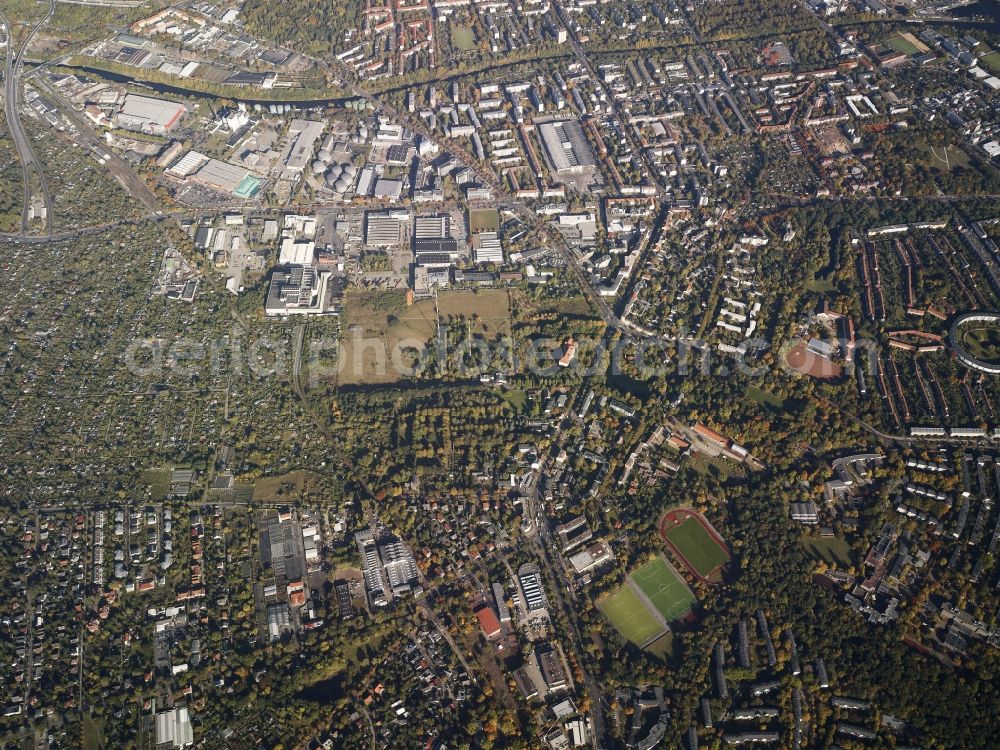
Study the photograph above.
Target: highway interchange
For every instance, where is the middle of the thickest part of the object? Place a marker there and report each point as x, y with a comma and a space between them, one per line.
13, 67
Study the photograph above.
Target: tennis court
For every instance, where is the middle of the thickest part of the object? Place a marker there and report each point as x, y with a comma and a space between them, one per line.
664, 587
630, 617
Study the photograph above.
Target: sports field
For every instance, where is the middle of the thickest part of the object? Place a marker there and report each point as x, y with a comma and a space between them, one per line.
630, 617
982, 341
992, 61
902, 44
664, 588
690, 538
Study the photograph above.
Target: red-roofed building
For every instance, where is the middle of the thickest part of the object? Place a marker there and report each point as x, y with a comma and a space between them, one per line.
569, 354
488, 621
709, 434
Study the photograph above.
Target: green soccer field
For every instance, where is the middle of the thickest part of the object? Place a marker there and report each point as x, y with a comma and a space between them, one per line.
901, 44
664, 588
630, 617
697, 546
992, 61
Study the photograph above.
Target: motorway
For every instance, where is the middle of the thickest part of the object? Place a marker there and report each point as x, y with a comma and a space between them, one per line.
12, 96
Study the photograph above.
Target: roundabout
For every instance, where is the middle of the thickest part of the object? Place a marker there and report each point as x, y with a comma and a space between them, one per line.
975, 339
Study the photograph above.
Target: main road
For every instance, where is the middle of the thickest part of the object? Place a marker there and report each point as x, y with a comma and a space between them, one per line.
12, 97
344, 74
641, 151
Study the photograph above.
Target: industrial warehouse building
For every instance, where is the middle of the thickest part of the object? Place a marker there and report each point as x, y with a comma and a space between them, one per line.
435, 227
384, 229
302, 137
399, 564
278, 621
388, 566
566, 146
148, 115
215, 174
531, 588
173, 729
301, 290
488, 248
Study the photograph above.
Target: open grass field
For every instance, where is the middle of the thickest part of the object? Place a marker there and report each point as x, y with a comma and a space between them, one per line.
630, 617
92, 734
284, 487
981, 341
765, 398
822, 285
463, 38
664, 647
527, 306
488, 310
664, 587
484, 220
943, 158
518, 400
383, 337
242, 493
158, 481
691, 539
714, 466
830, 549
991, 62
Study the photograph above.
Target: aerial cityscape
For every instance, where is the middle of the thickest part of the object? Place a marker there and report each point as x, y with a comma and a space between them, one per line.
514, 374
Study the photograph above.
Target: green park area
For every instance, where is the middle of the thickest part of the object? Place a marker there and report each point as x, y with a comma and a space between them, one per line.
982, 341
463, 38
944, 158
